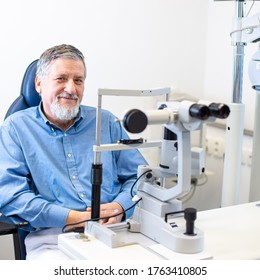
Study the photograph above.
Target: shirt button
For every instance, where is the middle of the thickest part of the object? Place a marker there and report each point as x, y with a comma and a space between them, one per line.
74, 177
69, 155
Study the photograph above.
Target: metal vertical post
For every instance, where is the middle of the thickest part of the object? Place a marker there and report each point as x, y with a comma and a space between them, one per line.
238, 58
235, 122
96, 172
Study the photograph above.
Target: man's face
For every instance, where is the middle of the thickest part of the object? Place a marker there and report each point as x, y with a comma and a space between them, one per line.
62, 89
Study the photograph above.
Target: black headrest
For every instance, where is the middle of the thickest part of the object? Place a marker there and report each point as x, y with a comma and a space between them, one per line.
28, 91
28, 97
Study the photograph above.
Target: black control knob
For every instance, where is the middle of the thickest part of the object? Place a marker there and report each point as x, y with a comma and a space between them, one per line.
199, 111
135, 121
190, 215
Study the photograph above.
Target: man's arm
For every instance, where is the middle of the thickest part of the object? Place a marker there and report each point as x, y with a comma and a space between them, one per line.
17, 199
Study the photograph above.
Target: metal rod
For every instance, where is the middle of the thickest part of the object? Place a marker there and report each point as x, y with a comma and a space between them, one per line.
119, 226
98, 129
238, 59
96, 171
238, 72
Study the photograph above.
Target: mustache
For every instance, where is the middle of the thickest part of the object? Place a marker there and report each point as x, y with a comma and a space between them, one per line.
67, 95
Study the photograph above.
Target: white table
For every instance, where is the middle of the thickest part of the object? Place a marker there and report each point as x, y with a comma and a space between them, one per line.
230, 233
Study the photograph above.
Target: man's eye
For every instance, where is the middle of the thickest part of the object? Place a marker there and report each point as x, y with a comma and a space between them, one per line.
79, 81
61, 78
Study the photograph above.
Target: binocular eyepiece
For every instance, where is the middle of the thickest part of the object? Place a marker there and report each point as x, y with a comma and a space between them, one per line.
203, 112
219, 110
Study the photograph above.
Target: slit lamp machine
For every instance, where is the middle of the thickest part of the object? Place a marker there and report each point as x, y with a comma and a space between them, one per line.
156, 200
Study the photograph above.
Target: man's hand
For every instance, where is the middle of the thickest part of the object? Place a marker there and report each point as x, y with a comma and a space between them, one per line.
110, 209
75, 216
106, 210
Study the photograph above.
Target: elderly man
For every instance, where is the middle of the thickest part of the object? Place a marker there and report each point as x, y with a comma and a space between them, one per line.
46, 154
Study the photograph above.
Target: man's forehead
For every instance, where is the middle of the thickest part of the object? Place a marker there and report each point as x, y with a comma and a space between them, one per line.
67, 66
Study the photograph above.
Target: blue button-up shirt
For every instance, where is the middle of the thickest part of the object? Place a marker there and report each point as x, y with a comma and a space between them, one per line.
45, 171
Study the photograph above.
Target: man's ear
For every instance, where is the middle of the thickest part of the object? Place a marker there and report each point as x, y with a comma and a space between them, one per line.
38, 85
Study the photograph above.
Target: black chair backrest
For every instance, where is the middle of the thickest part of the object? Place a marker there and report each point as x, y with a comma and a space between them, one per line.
28, 97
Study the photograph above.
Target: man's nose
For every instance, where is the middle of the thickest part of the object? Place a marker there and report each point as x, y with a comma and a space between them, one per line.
71, 87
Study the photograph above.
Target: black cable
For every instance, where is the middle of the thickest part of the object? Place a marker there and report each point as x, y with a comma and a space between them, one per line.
79, 229
148, 171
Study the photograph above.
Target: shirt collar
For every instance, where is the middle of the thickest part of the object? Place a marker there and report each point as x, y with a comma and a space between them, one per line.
75, 124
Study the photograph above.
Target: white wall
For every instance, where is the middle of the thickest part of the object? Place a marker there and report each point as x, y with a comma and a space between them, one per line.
127, 43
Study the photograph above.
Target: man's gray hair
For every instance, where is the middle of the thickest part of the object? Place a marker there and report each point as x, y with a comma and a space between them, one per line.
59, 51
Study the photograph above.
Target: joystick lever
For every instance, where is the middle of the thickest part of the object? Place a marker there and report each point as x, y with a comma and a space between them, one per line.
190, 215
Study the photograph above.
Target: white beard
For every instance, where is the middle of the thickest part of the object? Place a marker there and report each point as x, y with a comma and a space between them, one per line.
62, 112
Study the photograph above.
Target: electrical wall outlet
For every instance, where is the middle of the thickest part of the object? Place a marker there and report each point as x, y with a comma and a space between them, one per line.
218, 147
247, 157
209, 145
215, 146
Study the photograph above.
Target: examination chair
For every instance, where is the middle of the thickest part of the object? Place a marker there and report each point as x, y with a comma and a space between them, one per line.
28, 97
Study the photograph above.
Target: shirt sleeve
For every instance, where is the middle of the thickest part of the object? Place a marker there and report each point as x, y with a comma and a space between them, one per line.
18, 200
